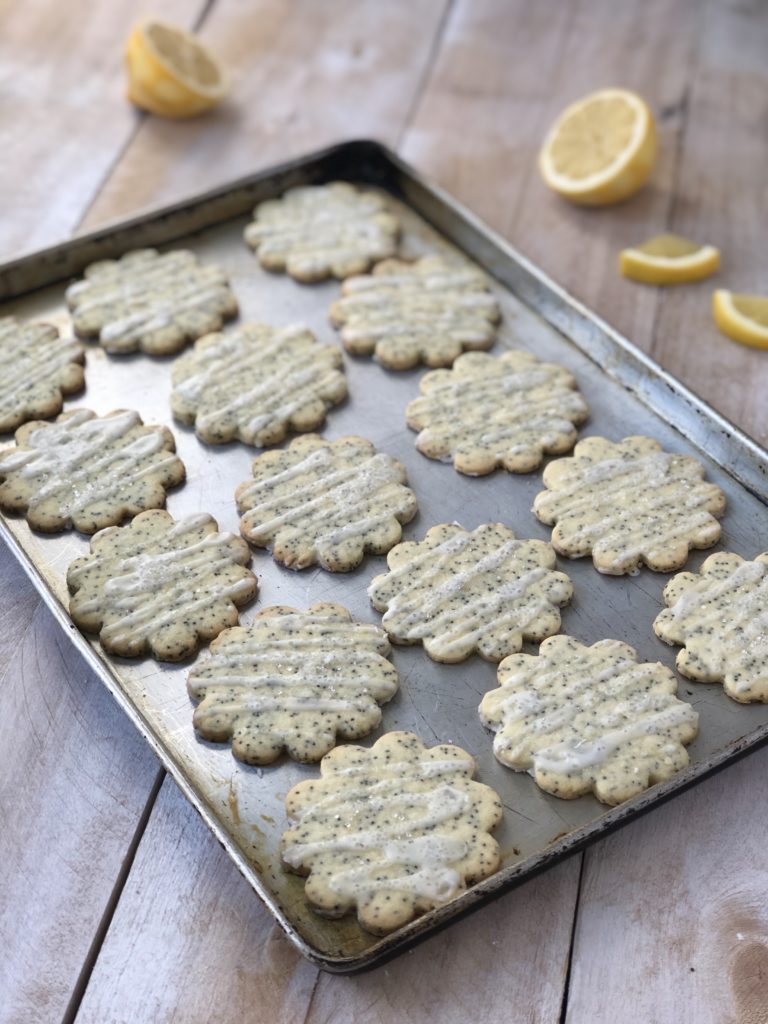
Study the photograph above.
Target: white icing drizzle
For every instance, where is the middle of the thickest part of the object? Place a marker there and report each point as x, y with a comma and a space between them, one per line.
145, 292
257, 377
426, 299
321, 226
176, 575
84, 459
303, 662
508, 405
466, 587
329, 495
406, 838
722, 615
572, 708
33, 356
614, 504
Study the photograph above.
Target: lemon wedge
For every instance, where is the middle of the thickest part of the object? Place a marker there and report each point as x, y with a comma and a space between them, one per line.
669, 259
742, 317
601, 149
170, 72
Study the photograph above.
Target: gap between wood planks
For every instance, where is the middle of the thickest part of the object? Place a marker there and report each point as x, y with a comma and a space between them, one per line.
683, 111
102, 928
426, 74
141, 117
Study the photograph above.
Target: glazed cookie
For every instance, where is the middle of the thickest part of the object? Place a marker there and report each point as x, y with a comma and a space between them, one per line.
159, 586
458, 592
293, 681
152, 302
629, 502
393, 831
488, 412
325, 502
320, 231
589, 719
423, 312
720, 616
39, 368
256, 383
87, 471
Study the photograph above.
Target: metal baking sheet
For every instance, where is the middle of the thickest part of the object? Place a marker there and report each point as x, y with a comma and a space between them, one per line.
627, 394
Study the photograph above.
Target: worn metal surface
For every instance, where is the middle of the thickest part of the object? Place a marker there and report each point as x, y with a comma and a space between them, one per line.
627, 394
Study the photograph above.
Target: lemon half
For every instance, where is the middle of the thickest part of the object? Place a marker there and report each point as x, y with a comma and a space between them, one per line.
601, 149
170, 72
743, 318
669, 259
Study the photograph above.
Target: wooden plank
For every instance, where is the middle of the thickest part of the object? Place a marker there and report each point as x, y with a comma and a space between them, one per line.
507, 962
673, 920
304, 75
189, 935
75, 779
721, 198
189, 941
64, 120
505, 72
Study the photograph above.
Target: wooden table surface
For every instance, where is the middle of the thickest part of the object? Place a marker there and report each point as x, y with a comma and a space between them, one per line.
116, 904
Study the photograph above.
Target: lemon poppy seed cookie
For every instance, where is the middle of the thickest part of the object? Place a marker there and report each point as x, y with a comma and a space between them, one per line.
160, 586
320, 231
720, 617
150, 302
292, 680
589, 719
88, 471
427, 312
39, 368
256, 383
459, 591
629, 502
394, 830
325, 503
488, 412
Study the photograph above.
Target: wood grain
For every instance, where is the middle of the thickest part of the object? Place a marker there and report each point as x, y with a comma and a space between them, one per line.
65, 120
189, 941
161, 962
673, 920
505, 963
304, 75
720, 199
505, 106
75, 778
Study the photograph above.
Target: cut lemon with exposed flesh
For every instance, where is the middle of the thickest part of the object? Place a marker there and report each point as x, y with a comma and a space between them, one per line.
601, 149
170, 72
669, 259
742, 317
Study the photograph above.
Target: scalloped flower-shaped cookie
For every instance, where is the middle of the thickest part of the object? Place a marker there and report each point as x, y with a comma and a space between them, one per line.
629, 502
720, 617
458, 592
589, 719
88, 471
488, 412
394, 831
256, 383
39, 368
160, 586
325, 502
293, 680
152, 302
319, 231
428, 312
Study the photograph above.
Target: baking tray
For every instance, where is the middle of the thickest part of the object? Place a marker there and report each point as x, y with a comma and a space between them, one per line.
627, 394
